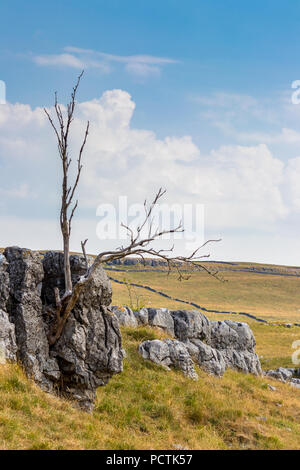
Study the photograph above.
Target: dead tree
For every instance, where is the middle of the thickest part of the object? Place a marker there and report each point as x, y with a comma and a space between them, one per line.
62, 130
139, 244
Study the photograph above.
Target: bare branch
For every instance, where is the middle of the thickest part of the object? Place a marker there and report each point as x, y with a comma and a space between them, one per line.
139, 246
84, 254
62, 129
79, 167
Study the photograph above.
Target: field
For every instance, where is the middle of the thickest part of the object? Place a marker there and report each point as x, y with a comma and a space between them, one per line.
267, 296
147, 408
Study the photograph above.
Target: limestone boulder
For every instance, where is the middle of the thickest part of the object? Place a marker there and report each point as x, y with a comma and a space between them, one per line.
169, 354
125, 316
25, 311
89, 351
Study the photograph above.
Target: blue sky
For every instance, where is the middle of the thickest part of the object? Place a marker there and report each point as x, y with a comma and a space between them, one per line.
217, 72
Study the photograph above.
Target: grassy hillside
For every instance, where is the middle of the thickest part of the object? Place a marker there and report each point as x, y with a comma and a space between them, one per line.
275, 298
147, 408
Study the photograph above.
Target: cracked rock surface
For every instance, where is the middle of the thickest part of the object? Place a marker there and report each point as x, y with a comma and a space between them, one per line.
8, 346
285, 374
213, 345
88, 353
125, 315
169, 353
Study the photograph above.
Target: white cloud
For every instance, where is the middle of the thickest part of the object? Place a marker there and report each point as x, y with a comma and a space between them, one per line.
283, 136
292, 174
141, 59
227, 100
20, 192
140, 66
142, 70
246, 119
244, 188
66, 60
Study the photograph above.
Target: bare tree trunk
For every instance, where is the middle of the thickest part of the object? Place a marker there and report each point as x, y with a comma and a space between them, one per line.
65, 303
137, 246
64, 223
67, 267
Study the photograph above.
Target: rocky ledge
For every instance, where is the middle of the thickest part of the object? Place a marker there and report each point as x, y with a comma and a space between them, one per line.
212, 345
286, 375
88, 353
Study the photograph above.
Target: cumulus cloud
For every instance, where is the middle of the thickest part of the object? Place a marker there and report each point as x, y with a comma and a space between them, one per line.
67, 60
246, 119
292, 175
243, 188
227, 100
140, 66
20, 192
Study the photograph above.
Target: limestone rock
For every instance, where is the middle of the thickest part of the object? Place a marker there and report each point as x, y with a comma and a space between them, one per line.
8, 346
282, 373
208, 358
236, 343
217, 345
230, 334
161, 318
25, 272
169, 353
285, 374
189, 325
213, 345
89, 351
125, 315
4, 282
142, 316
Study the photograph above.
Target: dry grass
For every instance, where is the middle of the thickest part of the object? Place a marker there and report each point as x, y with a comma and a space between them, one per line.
147, 408
276, 298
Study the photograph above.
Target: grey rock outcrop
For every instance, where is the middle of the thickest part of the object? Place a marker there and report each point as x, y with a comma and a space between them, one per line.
283, 374
8, 345
142, 316
191, 325
236, 343
209, 359
125, 315
157, 317
213, 345
88, 353
4, 282
169, 353
24, 306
